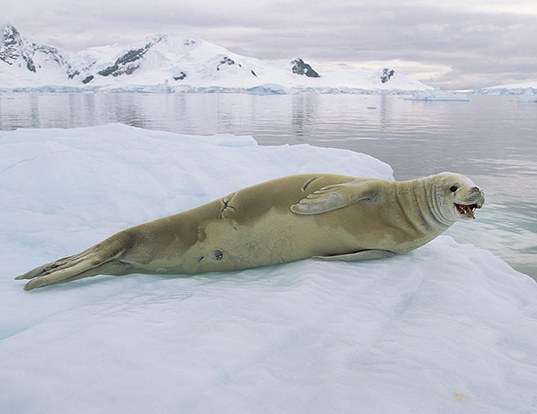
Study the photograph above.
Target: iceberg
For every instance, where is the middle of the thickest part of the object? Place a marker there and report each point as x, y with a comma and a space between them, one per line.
448, 328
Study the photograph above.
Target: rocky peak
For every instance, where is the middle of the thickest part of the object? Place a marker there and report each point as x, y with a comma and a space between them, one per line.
11, 36
13, 50
299, 67
10, 44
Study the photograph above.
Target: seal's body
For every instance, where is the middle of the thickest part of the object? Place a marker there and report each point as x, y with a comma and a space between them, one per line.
297, 217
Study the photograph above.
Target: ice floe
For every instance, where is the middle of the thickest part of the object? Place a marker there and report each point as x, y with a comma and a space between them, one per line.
448, 328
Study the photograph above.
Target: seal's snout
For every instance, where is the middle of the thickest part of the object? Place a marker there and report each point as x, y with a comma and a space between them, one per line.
478, 197
481, 200
472, 201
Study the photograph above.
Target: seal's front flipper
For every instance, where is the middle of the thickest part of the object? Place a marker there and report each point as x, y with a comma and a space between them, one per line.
334, 197
356, 256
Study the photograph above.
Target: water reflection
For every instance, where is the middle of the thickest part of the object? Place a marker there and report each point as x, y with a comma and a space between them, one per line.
491, 139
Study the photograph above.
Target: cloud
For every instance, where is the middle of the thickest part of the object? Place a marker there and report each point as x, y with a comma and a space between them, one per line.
452, 44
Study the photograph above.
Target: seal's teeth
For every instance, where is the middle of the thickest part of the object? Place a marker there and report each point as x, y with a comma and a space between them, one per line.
467, 210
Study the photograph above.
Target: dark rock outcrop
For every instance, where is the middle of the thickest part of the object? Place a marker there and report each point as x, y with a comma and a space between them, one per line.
71, 74
225, 61
51, 52
386, 74
128, 62
299, 67
180, 76
125, 64
75, 71
88, 79
29, 63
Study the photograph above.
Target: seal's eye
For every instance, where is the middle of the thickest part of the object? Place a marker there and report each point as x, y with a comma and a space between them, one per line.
453, 188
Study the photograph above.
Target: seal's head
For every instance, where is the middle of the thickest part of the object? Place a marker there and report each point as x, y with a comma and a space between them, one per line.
457, 196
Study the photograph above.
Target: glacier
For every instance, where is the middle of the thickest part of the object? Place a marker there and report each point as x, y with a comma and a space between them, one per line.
448, 328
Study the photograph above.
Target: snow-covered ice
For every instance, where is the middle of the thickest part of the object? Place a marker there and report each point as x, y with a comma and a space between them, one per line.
437, 95
523, 88
529, 95
449, 328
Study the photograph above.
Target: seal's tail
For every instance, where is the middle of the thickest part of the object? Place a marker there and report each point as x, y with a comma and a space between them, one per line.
80, 265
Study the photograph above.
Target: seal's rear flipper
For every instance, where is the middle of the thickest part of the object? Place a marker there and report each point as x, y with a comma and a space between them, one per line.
49, 267
88, 263
356, 256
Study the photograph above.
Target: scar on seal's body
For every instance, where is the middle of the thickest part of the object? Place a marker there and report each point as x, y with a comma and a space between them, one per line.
307, 183
227, 208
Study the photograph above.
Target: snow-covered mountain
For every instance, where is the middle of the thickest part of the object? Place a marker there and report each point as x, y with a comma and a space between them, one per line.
26, 62
171, 63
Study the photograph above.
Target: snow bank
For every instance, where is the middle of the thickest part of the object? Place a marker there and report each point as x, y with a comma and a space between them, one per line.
448, 328
524, 88
263, 89
529, 95
437, 95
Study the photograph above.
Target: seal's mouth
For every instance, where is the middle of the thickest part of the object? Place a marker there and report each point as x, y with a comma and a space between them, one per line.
467, 209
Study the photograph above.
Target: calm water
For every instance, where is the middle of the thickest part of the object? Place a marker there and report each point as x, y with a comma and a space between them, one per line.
491, 139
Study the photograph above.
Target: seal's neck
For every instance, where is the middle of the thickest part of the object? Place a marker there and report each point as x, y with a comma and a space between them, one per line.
421, 202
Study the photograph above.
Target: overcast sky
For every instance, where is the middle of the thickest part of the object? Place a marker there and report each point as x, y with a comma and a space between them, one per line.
449, 43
